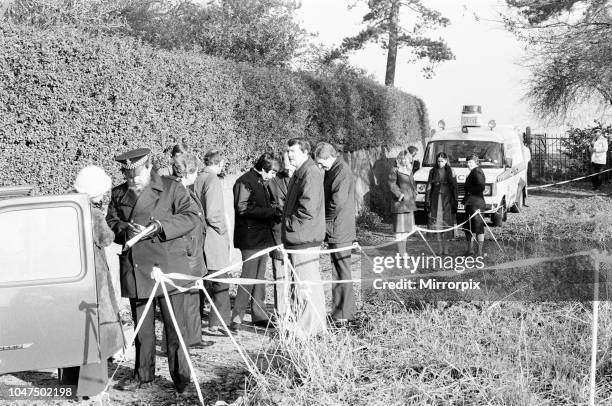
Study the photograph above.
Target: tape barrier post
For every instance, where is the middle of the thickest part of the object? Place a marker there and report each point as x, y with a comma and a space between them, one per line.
426, 242
136, 330
199, 284
159, 276
489, 228
286, 289
593, 372
251, 369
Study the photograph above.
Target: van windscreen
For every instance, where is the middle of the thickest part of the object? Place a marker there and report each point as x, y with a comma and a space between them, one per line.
489, 153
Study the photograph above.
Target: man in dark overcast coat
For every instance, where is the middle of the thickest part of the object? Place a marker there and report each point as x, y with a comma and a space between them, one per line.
339, 188
303, 228
146, 199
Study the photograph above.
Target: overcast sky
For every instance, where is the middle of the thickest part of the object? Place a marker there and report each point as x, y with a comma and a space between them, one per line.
486, 70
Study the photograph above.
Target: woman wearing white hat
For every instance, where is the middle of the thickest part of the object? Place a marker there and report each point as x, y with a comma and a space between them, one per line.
91, 379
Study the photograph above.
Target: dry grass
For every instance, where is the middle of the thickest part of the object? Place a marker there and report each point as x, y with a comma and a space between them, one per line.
466, 353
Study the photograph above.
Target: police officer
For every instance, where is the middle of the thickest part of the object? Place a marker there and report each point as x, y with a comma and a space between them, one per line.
146, 199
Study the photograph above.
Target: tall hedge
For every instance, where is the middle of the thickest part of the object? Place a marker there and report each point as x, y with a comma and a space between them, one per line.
68, 100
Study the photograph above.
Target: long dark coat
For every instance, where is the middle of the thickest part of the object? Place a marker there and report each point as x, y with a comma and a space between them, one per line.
277, 187
166, 200
339, 191
474, 186
216, 246
111, 334
304, 211
402, 183
449, 203
197, 237
254, 213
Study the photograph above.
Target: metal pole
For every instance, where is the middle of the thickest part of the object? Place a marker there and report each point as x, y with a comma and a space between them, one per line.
594, 331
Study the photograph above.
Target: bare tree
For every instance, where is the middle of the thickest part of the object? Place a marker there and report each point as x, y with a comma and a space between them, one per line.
570, 56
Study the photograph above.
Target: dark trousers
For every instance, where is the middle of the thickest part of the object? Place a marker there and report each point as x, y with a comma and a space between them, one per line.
476, 225
144, 370
255, 295
343, 296
219, 292
596, 179
193, 332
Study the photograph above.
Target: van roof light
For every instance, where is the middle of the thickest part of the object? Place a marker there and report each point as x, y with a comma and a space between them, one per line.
471, 116
472, 109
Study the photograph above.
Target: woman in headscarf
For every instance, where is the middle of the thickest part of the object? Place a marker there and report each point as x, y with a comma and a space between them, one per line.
441, 200
91, 379
403, 205
473, 201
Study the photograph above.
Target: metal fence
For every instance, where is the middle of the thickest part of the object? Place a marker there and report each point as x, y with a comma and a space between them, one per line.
551, 161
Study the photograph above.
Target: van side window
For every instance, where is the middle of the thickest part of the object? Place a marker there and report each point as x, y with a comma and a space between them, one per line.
40, 243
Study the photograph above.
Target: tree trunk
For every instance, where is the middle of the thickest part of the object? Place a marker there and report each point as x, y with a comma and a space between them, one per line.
392, 52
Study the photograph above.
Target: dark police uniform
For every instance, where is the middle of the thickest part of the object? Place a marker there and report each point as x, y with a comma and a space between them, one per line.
168, 203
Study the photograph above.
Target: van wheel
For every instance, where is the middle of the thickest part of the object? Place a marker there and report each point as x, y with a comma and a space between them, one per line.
500, 216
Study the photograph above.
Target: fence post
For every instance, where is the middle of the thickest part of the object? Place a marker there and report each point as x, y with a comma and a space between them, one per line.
546, 157
527, 142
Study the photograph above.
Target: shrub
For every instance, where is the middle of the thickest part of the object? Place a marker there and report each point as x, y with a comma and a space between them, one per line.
71, 99
368, 219
578, 143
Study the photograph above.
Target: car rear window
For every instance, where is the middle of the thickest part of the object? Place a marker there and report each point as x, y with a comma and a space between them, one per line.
39, 243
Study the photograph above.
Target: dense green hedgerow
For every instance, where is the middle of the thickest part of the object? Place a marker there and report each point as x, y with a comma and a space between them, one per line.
68, 99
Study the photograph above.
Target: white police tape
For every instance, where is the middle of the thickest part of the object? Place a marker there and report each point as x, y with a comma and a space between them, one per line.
311, 251
567, 181
239, 264
169, 277
520, 263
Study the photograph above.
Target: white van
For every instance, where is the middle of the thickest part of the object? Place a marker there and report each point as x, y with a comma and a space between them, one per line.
503, 160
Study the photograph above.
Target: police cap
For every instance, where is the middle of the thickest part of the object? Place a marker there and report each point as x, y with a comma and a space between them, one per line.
133, 159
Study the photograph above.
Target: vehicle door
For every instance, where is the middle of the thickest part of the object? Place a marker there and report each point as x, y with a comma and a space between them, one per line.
48, 302
512, 151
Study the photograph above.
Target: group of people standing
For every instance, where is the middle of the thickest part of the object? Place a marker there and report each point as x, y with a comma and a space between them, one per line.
441, 198
173, 219
298, 202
